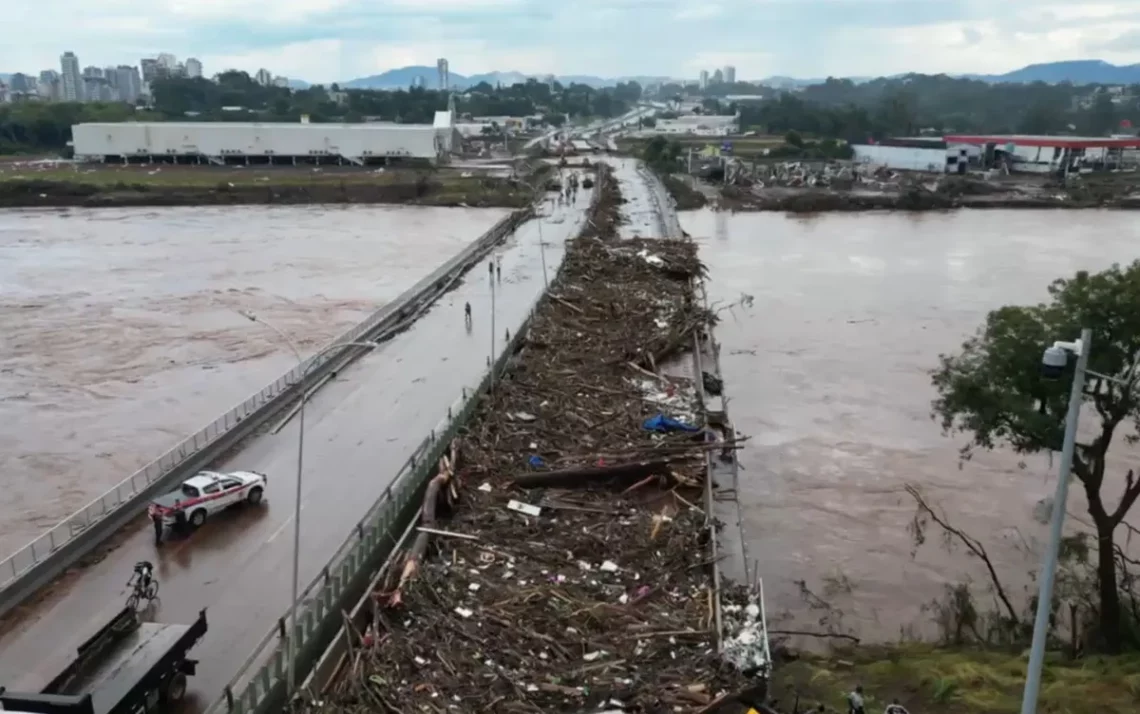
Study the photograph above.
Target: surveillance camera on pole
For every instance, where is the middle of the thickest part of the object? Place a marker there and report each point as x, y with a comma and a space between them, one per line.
1056, 358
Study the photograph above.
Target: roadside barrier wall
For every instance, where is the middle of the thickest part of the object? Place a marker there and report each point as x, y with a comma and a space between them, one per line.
260, 685
37, 564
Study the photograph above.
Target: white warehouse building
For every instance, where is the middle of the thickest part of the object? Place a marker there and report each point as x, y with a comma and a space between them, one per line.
268, 142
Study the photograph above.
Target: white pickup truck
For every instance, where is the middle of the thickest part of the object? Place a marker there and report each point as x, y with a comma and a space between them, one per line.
203, 495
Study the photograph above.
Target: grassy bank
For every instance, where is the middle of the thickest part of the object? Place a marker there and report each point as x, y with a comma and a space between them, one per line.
940, 681
26, 186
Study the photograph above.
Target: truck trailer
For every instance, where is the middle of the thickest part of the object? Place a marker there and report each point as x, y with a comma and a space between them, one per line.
128, 666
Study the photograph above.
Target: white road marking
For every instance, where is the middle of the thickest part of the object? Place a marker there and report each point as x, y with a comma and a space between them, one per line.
283, 526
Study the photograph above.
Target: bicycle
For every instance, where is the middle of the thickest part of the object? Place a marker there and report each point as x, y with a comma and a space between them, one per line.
143, 589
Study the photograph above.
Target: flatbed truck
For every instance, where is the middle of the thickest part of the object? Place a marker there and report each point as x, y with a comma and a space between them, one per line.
128, 666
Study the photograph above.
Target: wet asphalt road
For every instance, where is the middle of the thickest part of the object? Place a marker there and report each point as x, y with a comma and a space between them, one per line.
360, 429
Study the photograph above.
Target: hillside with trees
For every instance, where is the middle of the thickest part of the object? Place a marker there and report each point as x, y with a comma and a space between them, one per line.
938, 104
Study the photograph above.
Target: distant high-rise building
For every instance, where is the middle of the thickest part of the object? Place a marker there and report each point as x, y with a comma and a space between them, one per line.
419, 81
264, 77
704, 79
193, 67
96, 87
23, 83
149, 67
718, 77
729, 74
444, 74
128, 84
48, 85
71, 82
167, 63
281, 82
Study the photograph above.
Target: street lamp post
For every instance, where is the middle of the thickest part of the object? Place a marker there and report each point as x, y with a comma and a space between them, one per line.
1053, 364
292, 636
491, 364
541, 241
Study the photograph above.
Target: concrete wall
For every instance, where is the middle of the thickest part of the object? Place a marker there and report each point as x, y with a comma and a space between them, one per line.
903, 158
221, 139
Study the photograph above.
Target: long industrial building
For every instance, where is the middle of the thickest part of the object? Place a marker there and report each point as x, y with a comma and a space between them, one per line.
264, 142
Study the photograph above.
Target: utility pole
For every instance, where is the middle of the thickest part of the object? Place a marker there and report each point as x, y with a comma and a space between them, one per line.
491, 280
1049, 568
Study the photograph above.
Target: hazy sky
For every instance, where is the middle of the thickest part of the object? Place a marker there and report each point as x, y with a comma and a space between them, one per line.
328, 40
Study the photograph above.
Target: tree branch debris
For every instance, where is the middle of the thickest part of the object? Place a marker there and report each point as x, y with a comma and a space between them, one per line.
575, 573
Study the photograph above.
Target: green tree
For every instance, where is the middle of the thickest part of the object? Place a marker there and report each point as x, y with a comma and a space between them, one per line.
1102, 116
992, 390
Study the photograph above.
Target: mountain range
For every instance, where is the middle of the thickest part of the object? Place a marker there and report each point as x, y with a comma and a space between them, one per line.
1075, 71
404, 77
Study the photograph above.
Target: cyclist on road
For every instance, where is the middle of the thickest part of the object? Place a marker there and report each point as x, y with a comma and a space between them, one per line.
143, 577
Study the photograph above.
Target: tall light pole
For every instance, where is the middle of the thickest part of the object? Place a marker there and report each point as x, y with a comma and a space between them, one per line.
541, 242
1053, 364
292, 679
491, 280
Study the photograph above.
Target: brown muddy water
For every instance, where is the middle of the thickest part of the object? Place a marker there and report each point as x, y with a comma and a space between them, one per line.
828, 373
121, 332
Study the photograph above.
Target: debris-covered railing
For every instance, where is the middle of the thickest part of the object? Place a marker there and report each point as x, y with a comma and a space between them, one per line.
573, 573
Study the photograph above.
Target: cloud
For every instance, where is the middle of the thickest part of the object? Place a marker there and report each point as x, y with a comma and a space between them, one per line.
329, 40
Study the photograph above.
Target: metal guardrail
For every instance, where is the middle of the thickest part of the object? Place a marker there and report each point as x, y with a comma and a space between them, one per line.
259, 684
79, 523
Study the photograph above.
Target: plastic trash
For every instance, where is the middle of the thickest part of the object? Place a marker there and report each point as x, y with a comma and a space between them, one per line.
664, 424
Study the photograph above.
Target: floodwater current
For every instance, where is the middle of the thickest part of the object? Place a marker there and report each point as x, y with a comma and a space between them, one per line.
828, 373
121, 331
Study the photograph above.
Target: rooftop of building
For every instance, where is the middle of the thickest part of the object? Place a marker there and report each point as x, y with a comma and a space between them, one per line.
1064, 142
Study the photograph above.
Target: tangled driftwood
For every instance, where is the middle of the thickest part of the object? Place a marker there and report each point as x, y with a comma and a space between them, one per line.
573, 573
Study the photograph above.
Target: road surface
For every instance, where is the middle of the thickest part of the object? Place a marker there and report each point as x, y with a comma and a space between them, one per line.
647, 211
360, 429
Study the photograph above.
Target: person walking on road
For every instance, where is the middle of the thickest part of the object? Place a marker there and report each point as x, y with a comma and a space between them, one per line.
467, 315
855, 703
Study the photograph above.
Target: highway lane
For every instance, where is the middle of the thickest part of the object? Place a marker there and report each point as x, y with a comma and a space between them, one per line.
359, 431
647, 209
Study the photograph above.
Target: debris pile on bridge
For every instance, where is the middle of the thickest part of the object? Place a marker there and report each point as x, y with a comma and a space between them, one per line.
573, 573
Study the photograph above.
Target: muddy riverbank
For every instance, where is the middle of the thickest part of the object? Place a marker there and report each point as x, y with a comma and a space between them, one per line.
479, 193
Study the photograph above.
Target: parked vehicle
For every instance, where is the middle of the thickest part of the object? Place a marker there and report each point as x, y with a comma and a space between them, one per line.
203, 495
128, 666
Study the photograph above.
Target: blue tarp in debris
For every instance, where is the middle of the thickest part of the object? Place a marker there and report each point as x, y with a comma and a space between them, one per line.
664, 424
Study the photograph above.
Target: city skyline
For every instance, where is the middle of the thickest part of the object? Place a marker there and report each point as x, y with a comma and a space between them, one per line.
75, 82
340, 40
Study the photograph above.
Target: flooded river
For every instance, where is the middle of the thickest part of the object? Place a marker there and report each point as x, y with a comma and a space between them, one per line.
828, 372
121, 332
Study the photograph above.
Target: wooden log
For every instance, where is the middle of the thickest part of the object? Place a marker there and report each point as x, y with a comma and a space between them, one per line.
619, 475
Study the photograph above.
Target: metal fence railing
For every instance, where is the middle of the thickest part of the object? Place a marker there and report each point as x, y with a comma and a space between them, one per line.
78, 523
